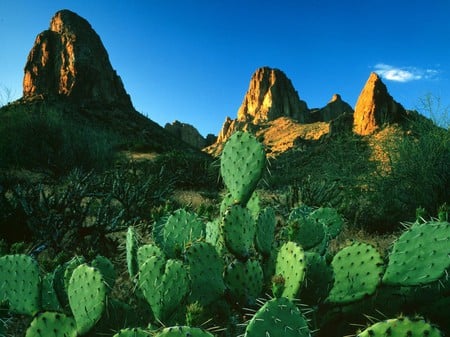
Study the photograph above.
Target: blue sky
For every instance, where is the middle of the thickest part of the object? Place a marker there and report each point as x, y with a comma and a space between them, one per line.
192, 60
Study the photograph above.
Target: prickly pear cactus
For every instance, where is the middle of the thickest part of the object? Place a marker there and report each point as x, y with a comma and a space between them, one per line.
164, 285
330, 218
306, 232
87, 297
181, 227
20, 283
147, 251
357, 273
183, 331
420, 255
70, 266
205, 270
401, 327
318, 281
52, 324
244, 281
290, 268
132, 332
106, 268
278, 317
238, 229
131, 249
241, 166
49, 298
265, 231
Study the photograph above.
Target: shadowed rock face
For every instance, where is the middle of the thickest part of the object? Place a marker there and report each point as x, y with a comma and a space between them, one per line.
69, 60
271, 95
187, 133
375, 107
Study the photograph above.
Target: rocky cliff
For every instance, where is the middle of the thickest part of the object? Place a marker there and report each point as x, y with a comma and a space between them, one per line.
375, 107
271, 95
272, 109
68, 70
187, 133
69, 60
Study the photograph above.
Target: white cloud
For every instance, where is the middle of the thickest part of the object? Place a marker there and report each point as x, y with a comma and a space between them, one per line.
404, 74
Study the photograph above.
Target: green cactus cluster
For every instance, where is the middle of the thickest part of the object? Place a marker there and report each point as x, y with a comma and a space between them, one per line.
165, 284
188, 272
244, 281
205, 270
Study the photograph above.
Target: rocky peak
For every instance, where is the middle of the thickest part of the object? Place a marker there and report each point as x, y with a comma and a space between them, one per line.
69, 60
375, 107
187, 133
336, 107
271, 95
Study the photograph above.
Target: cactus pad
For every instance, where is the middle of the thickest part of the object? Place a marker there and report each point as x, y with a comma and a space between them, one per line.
164, 285
357, 273
241, 166
401, 327
290, 269
319, 277
306, 231
330, 218
52, 324
205, 270
131, 249
265, 231
147, 251
20, 283
278, 317
183, 331
180, 228
244, 281
420, 255
238, 228
106, 268
132, 332
87, 297
49, 298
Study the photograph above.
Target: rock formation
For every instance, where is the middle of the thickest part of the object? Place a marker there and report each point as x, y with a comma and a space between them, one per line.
68, 70
335, 108
187, 133
375, 107
69, 60
271, 95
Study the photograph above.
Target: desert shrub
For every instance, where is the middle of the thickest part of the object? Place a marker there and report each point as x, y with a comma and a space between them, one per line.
189, 169
137, 188
49, 140
82, 208
420, 175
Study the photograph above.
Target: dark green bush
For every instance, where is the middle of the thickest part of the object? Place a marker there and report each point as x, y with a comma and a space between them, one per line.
189, 169
50, 141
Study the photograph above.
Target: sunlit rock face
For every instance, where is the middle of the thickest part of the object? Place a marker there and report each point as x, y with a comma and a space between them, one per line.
375, 107
69, 60
271, 95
